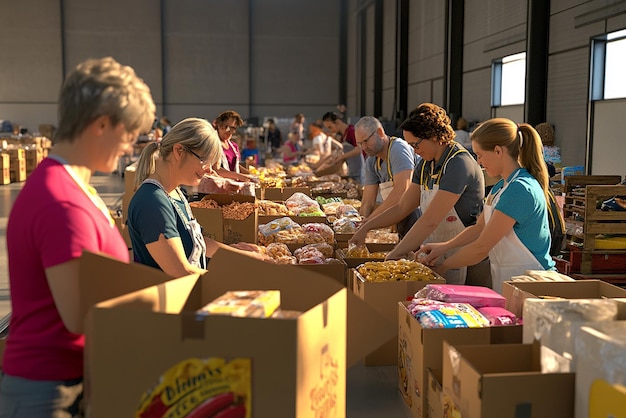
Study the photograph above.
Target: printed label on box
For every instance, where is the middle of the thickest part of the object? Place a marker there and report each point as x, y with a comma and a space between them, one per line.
201, 388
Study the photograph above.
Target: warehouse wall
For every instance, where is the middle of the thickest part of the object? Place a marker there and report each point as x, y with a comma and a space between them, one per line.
269, 58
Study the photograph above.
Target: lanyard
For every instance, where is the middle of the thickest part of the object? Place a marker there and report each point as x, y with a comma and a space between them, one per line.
88, 190
379, 161
439, 173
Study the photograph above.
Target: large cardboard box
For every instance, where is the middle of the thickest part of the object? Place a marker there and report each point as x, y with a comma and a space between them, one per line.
301, 220
336, 271
298, 365
228, 231
421, 348
516, 292
384, 297
434, 398
17, 164
504, 380
33, 158
601, 359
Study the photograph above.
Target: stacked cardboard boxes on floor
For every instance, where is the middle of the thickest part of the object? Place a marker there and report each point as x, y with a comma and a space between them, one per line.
5, 175
17, 162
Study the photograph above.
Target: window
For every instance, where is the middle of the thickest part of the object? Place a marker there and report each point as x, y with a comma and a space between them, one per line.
607, 66
508, 80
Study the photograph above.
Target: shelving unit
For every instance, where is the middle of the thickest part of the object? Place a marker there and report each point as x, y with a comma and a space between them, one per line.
583, 198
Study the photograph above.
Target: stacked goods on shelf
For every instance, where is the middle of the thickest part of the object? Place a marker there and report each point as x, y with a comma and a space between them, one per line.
596, 224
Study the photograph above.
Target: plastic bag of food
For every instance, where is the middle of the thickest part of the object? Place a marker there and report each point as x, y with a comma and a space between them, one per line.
319, 232
477, 296
324, 248
345, 225
303, 205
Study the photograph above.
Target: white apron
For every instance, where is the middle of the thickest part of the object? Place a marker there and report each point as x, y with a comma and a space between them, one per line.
197, 257
509, 257
449, 227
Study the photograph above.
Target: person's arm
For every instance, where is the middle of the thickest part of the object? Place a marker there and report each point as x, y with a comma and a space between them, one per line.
368, 200
498, 226
169, 254
426, 224
401, 183
432, 251
231, 174
393, 215
352, 153
63, 280
243, 248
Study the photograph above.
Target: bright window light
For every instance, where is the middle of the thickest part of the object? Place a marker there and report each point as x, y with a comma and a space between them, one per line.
513, 79
614, 80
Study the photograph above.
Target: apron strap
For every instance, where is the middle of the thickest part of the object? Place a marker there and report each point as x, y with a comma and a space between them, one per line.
379, 161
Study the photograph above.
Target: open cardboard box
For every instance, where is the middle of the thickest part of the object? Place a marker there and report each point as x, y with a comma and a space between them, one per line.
298, 364
516, 292
283, 193
384, 297
420, 349
504, 380
228, 231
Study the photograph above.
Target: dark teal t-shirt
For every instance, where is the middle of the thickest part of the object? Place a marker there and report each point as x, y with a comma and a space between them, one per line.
150, 214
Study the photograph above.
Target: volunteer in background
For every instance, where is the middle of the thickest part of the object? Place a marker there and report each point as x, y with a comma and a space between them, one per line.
229, 165
513, 228
163, 231
103, 106
351, 152
388, 170
448, 186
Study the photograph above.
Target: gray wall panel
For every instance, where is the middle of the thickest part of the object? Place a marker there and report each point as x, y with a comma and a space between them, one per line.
477, 94
563, 34
567, 103
30, 67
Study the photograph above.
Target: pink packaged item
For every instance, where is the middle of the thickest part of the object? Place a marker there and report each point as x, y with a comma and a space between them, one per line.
477, 296
498, 316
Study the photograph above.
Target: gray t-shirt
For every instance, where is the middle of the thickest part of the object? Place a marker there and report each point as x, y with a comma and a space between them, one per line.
461, 175
401, 156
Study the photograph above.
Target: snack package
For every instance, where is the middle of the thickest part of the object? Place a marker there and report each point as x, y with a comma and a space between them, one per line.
453, 315
393, 270
498, 316
244, 303
210, 387
477, 296
326, 249
319, 233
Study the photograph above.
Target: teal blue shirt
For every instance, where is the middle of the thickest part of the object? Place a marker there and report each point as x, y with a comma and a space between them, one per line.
524, 201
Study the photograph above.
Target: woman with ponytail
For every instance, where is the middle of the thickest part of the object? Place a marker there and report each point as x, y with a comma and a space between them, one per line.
163, 231
513, 228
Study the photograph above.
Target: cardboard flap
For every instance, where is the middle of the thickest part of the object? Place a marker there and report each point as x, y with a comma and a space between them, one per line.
301, 289
102, 277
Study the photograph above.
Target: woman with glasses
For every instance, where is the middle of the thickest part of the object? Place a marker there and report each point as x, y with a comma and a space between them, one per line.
163, 231
447, 185
226, 125
513, 228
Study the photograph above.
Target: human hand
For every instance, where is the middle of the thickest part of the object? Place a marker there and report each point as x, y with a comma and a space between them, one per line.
359, 236
394, 255
429, 253
246, 246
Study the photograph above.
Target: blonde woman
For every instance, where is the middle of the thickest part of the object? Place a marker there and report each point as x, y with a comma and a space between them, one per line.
163, 231
513, 228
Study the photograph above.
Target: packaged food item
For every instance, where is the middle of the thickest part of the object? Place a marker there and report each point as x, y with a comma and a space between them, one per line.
357, 251
498, 316
302, 205
244, 303
477, 296
197, 388
453, 315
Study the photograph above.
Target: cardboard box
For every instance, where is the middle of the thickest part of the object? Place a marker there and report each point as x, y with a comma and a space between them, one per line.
384, 297
17, 171
298, 364
516, 292
283, 193
421, 348
228, 231
336, 271
5, 169
121, 226
434, 398
601, 355
33, 158
504, 380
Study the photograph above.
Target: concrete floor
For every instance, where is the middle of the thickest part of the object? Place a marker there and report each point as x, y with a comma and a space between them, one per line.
371, 391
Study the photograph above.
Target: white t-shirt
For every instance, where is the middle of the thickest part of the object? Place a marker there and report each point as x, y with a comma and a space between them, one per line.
322, 143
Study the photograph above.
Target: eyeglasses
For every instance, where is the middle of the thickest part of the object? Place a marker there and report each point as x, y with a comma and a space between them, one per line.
203, 161
229, 128
367, 139
416, 145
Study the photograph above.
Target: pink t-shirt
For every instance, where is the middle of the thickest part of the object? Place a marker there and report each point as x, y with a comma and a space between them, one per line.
51, 222
232, 154
293, 148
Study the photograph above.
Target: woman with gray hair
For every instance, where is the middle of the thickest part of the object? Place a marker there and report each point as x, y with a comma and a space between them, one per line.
103, 106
